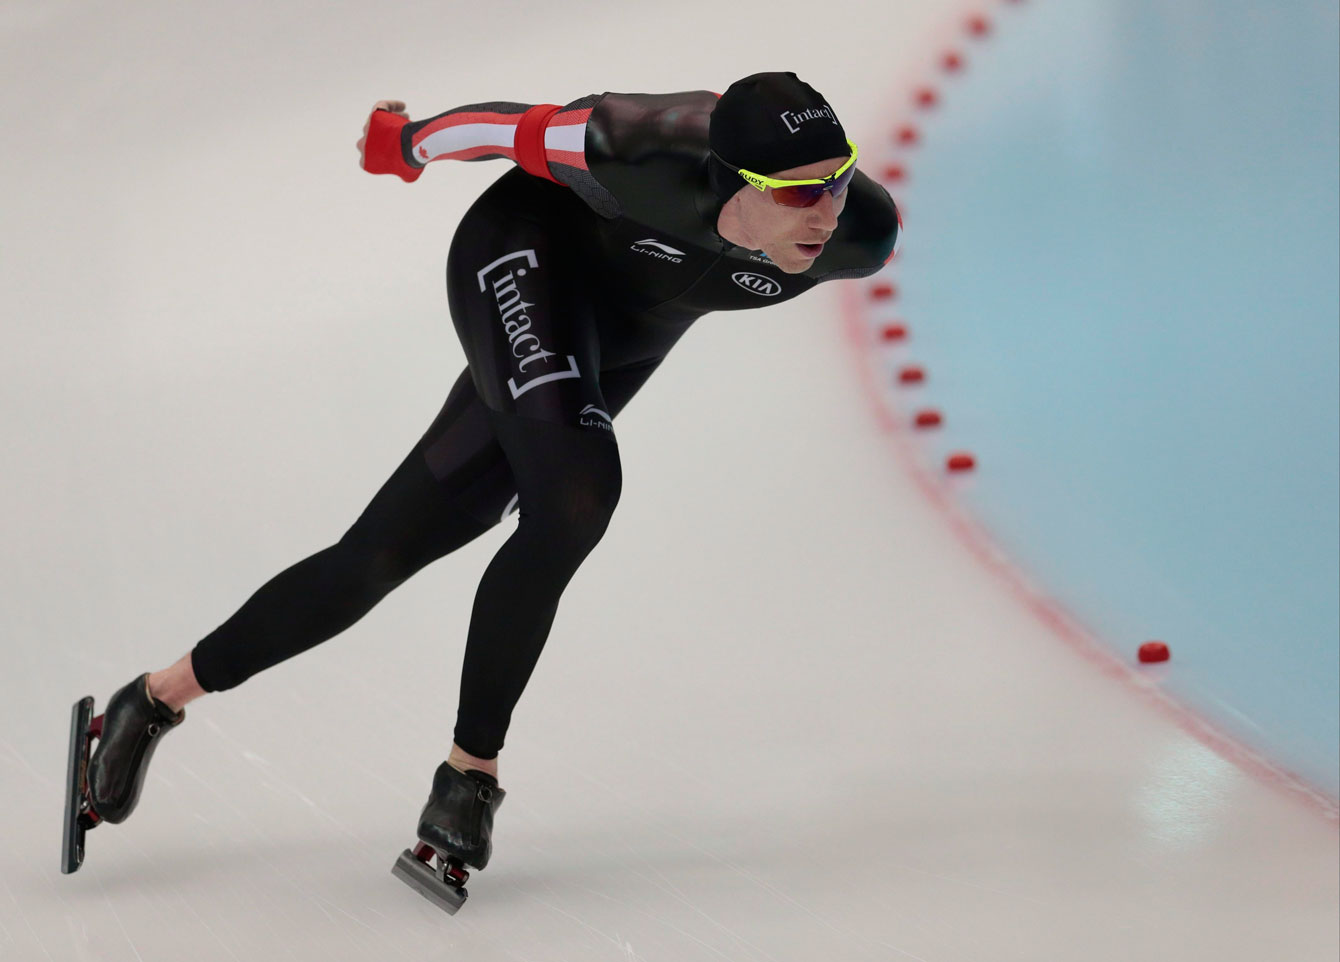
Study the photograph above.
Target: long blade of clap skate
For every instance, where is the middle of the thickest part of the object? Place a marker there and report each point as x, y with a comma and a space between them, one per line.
72, 833
422, 879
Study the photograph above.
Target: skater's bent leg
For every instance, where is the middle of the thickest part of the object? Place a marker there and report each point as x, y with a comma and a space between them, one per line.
411, 522
568, 482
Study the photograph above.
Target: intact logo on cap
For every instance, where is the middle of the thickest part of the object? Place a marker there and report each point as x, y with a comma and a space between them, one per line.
794, 120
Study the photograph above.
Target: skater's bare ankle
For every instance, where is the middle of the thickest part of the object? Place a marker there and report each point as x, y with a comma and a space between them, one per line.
175, 686
463, 761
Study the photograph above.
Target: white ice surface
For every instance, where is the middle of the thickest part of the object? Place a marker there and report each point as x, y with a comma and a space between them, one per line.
783, 715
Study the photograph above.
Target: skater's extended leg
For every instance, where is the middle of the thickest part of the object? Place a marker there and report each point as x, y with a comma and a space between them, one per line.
447, 491
428, 507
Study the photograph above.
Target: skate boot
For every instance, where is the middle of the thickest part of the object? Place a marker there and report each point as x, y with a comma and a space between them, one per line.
456, 827
106, 787
133, 724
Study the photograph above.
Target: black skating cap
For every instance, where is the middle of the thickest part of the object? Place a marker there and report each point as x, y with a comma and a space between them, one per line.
770, 122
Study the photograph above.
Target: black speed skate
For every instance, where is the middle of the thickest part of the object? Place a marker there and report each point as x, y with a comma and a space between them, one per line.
106, 786
455, 830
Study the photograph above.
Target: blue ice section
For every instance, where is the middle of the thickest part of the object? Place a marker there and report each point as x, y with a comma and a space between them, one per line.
1122, 266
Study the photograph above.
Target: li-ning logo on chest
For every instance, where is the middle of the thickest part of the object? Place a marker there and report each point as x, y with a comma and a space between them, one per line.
526, 346
662, 251
757, 283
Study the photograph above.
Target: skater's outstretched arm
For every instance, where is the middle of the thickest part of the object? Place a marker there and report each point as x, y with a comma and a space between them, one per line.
638, 155
534, 136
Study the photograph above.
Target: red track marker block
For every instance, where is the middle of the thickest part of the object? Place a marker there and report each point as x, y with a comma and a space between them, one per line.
912, 374
893, 332
961, 462
979, 26
929, 418
952, 62
907, 135
1152, 651
883, 292
895, 173
926, 97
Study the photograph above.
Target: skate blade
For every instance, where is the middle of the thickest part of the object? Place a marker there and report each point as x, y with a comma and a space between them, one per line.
420, 876
72, 837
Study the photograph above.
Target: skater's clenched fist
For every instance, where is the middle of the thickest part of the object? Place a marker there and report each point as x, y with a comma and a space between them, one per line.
379, 149
393, 106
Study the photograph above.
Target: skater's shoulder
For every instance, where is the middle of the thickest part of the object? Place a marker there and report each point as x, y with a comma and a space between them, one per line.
649, 152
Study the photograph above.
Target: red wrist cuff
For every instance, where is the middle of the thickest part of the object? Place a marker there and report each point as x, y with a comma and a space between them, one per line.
381, 150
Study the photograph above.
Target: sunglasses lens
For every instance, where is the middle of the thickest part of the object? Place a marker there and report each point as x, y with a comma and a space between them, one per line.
807, 195
841, 183
802, 195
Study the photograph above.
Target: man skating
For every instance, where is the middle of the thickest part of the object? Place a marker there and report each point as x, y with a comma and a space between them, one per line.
627, 217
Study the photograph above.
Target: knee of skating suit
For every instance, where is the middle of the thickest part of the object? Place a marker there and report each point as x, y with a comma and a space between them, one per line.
133, 724
458, 819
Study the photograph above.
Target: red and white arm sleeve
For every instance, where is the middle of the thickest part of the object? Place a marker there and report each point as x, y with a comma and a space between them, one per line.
532, 136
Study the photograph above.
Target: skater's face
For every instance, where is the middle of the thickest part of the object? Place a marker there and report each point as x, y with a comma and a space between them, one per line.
792, 237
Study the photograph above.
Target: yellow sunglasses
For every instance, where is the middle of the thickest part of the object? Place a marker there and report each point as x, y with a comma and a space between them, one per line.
800, 193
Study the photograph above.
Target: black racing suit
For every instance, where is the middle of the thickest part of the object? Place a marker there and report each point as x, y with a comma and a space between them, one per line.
569, 280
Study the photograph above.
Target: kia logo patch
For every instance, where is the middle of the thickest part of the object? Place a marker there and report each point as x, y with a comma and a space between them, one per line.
757, 283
